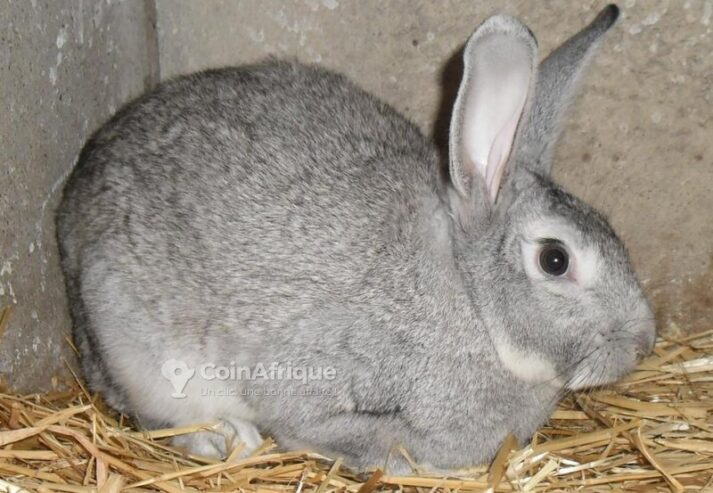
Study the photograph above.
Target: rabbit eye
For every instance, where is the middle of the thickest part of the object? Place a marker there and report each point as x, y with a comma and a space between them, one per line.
554, 260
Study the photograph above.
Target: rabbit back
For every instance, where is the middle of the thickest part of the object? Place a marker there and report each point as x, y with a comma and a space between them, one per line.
207, 217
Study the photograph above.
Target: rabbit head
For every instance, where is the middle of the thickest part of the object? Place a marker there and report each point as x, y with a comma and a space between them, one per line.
552, 280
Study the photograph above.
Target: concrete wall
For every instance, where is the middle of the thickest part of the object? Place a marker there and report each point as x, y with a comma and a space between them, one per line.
65, 67
637, 144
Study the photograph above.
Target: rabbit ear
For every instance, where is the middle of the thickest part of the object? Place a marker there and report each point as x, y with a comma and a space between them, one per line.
557, 79
499, 62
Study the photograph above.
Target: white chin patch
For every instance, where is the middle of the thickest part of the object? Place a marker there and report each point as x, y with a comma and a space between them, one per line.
526, 366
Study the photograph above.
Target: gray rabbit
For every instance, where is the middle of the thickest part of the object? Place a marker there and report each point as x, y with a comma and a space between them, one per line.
275, 217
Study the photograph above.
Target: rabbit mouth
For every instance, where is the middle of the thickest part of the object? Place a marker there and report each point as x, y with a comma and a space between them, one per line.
601, 366
614, 353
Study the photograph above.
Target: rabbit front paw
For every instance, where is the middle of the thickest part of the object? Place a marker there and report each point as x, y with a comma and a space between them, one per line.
221, 441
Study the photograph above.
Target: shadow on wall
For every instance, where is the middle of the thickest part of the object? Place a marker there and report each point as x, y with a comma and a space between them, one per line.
451, 75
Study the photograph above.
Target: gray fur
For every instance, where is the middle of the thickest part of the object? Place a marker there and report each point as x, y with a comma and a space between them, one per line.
278, 213
557, 79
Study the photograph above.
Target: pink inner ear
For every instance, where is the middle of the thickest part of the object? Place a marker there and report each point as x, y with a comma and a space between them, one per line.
502, 148
499, 153
499, 68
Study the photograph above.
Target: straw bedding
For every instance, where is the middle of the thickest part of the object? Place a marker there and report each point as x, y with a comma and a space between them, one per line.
651, 432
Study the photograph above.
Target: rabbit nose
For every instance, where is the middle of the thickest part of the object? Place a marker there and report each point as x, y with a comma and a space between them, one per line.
645, 338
